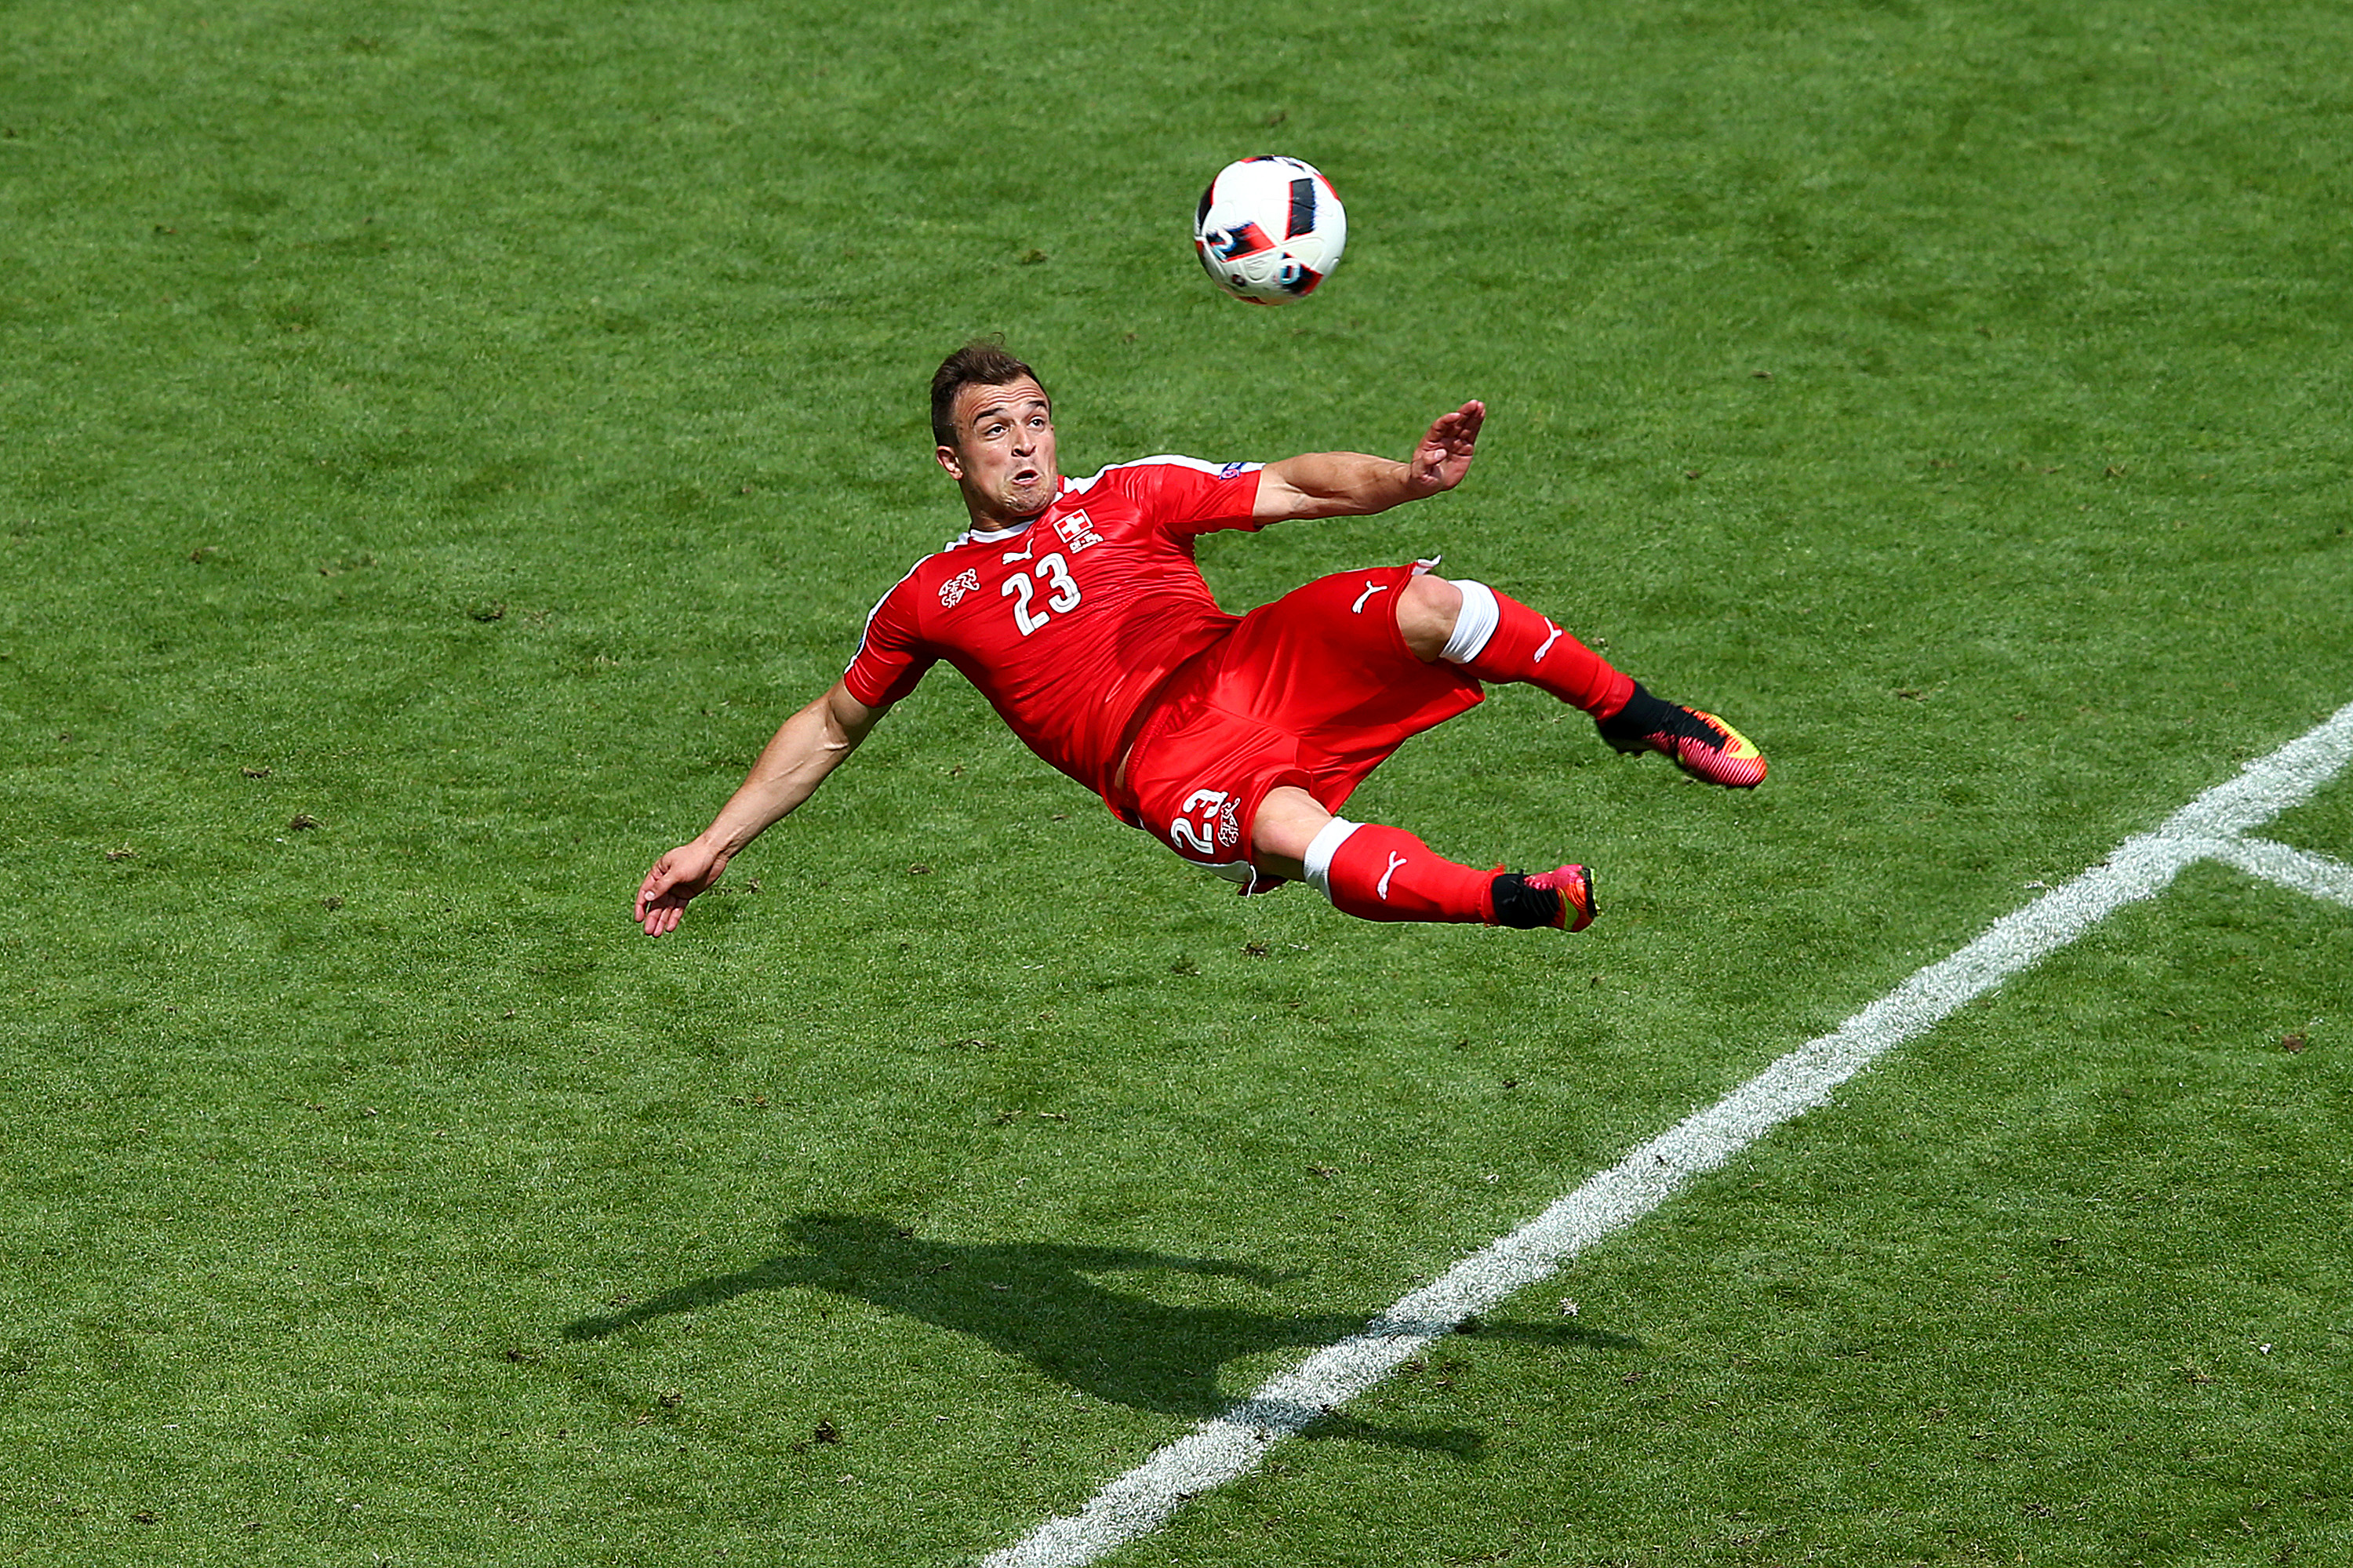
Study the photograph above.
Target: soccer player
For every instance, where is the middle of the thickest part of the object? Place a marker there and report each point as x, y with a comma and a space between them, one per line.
1076, 607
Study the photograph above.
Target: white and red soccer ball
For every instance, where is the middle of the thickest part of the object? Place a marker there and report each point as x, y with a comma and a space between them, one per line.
1269, 230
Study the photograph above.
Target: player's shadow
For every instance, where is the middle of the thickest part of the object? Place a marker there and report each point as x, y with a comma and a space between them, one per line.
1038, 1300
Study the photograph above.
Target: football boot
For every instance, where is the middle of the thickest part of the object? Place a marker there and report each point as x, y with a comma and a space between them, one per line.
1701, 745
1562, 899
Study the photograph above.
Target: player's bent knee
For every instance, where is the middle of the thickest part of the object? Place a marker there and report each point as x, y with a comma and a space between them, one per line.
1287, 822
1426, 614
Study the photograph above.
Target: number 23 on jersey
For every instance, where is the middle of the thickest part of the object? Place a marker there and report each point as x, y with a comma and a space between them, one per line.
1061, 593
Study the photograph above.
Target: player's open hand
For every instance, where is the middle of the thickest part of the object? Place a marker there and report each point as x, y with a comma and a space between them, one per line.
676, 878
1444, 455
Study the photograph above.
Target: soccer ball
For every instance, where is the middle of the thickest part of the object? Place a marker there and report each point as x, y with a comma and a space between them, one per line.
1269, 230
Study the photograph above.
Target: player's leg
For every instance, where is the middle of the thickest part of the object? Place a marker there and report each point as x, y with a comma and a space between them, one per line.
1378, 872
1304, 697
1495, 638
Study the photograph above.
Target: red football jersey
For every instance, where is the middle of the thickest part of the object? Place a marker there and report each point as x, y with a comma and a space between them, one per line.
1068, 624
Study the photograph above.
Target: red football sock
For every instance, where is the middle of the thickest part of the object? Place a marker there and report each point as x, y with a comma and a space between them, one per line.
1526, 646
1386, 873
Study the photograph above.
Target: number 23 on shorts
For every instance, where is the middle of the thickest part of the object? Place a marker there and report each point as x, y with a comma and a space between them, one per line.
1184, 835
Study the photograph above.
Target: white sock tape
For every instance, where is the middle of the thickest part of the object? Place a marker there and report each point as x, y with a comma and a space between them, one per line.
1475, 625
1317, 860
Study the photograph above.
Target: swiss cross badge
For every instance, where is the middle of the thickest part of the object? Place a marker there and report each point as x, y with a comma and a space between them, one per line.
1078, 531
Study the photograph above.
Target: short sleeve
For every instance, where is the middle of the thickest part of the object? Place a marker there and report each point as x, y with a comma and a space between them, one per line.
891, 656
1184, 495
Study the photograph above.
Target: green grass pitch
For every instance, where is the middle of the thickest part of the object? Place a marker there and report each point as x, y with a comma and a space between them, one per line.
439, 443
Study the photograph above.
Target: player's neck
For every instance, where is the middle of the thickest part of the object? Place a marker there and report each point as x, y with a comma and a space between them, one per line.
997, 526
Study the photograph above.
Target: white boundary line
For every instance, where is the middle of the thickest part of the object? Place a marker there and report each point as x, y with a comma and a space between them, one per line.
1230, 1445
2316, 874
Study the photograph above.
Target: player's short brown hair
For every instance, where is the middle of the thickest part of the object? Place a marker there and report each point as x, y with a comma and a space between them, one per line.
983, 362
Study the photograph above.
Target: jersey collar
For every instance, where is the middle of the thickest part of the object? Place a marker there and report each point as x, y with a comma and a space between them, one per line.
992, 536
997, 536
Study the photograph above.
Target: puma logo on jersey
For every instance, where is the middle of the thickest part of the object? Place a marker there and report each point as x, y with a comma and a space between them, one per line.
952, 591
1548, 644
1395, 859
1370, 589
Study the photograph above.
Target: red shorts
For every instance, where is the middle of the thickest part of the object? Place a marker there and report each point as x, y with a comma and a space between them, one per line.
1314, 690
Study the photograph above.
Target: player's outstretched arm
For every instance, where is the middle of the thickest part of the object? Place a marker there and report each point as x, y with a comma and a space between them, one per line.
812, 744
1353, 484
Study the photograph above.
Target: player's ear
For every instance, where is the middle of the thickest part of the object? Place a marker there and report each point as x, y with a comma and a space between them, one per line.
950, 462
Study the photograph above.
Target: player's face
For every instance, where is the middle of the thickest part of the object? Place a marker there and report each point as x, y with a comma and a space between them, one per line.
1004, 454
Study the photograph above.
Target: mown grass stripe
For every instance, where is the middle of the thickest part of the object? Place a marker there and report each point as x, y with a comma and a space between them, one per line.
1234, 1443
